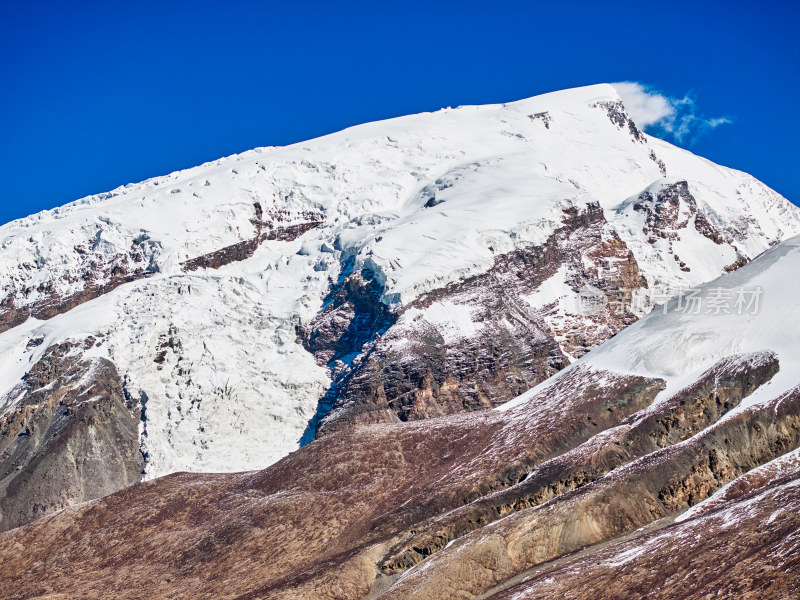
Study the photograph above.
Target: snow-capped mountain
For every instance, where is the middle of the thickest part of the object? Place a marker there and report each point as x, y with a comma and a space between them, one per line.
416, 267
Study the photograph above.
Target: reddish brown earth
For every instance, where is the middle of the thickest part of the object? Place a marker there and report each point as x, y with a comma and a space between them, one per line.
347, 515
748, 547
321, 517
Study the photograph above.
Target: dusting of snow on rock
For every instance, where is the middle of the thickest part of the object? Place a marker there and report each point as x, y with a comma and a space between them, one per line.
452, 321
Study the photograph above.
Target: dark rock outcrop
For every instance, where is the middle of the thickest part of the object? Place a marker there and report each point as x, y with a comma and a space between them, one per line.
352, 317
663, 212
71, 436
619, 116
544, 117
670, 211
281, 226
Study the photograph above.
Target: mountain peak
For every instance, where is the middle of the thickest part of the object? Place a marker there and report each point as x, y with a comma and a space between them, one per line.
255, 300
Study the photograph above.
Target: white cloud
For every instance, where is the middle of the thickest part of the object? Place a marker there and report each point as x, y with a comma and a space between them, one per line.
660, 114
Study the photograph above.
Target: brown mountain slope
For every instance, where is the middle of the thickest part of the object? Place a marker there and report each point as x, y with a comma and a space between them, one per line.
753, 533
332, 520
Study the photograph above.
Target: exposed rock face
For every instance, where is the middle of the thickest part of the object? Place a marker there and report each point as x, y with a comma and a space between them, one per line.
663, 214
670, 209
677, 226
692, 472
704, 226
279, 227
658, 485
351, 318
72, 436
619, 116
753, 533
544, 117
414, 369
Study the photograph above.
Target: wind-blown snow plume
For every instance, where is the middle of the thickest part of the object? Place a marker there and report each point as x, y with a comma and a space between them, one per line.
673, 117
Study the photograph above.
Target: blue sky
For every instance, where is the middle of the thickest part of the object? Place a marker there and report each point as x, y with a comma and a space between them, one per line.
96, 95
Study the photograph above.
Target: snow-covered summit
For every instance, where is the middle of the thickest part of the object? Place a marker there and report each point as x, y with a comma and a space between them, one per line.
435, 188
